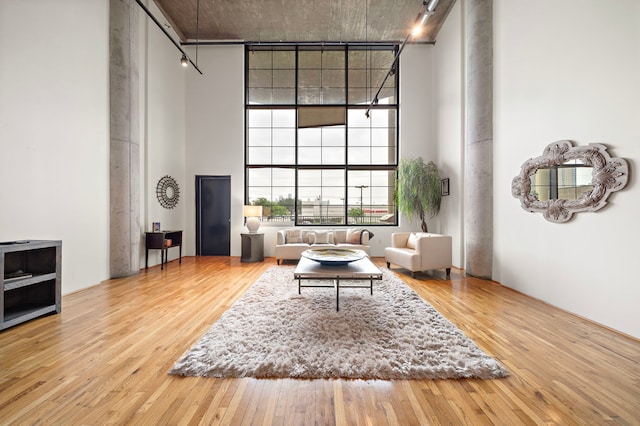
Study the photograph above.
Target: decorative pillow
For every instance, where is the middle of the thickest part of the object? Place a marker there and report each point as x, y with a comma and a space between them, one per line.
354, 235
307, 236
323, 237
339, 236
293, 236
411, 242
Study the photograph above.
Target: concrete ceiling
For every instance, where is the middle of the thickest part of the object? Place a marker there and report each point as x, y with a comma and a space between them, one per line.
300, 20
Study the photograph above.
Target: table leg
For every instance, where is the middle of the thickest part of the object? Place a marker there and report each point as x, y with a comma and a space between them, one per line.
337, 294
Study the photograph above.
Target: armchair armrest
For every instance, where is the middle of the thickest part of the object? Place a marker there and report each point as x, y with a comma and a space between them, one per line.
434, 250
424, 243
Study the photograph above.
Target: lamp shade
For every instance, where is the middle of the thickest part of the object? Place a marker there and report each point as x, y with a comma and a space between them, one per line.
252, 213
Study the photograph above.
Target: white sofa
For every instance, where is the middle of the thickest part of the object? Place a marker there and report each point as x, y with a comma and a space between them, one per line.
290, 243
419, 251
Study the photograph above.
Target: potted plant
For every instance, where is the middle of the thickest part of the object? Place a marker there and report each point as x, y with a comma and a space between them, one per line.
418, 189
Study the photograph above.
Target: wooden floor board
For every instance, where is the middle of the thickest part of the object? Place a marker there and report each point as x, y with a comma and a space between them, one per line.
105, 360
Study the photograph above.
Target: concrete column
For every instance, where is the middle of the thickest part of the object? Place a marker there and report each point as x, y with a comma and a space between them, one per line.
478, 179
125, 139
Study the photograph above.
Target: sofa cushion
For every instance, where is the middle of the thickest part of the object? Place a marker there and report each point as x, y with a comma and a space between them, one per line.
347, 246
411, 242
307, 236
404, 257
293, 236
353, 236
291, 251
339, 236
358, 236
322, 237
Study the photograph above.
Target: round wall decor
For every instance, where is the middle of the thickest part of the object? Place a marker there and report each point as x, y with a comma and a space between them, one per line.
168, 192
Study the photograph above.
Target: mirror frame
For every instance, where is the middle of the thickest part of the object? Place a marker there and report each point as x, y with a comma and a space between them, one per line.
166, 200
609, 175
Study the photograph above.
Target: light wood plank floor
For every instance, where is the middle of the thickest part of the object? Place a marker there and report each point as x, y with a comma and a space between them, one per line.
104, 360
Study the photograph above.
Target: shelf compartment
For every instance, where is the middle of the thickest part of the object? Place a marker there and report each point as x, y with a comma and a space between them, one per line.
26, 312
23, 282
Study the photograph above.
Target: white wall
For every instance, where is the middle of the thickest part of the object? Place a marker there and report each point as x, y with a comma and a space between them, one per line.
417, 130
418, 136
215, 132
417, 113
54, 131
449, 98
163, 126
568, 70
566, 74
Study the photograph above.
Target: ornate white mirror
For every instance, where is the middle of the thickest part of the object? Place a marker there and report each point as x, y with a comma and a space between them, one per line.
567, 179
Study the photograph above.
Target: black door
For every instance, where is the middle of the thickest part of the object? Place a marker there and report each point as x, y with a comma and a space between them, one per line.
213, 215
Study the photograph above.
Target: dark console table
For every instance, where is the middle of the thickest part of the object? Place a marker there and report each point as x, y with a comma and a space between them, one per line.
163, 241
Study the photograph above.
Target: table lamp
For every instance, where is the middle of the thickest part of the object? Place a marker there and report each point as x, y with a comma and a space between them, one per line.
252, 213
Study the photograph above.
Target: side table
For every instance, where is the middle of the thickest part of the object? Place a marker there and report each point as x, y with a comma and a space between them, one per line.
163, 241
252, 247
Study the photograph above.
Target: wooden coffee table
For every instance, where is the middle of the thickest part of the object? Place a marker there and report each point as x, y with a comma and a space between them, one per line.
362, 269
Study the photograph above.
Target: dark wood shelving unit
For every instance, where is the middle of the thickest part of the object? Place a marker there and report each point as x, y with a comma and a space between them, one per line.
38, 291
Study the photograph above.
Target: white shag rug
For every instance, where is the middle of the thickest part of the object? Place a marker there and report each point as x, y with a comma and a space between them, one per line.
273, 332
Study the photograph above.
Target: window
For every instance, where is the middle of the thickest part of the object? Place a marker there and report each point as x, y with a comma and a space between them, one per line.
311, 154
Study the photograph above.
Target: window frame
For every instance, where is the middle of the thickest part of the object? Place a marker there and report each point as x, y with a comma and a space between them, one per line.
390, 166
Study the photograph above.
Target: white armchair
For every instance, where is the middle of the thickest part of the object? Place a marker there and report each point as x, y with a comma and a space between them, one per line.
419, 251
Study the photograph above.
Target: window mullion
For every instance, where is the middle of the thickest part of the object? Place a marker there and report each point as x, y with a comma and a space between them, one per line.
366, 155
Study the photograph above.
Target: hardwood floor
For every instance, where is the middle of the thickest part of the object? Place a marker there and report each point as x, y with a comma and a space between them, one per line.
104, 360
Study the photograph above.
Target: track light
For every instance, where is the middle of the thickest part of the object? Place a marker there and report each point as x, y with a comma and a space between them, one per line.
184, 60
417, 29
427, 10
